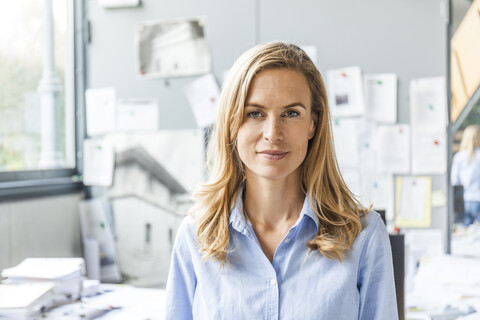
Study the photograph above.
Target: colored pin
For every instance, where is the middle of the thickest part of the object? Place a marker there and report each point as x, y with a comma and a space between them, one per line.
212, 99
430, 107
367, 145
99, 147
102, 225
436, 142
344, 74
337, 122
379, 82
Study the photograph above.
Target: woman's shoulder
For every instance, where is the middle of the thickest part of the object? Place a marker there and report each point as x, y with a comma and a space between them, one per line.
372, 221
373, 239
187, 232
373, 228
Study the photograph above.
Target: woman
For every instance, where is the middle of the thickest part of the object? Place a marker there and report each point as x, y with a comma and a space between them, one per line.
466, 172
275, 233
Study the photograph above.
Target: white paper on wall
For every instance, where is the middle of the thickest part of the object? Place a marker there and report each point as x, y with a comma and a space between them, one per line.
378, 190
367, 137
429, 152
438, 198
393, 154
345, 91
345, 135
172, 48
381, 97
203, 95
98, 162
428, 103
100, 105
137, 115
413, 197
351, 176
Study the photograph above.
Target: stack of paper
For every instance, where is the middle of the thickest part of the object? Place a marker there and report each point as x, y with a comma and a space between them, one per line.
24, 300
64, 273
445, 287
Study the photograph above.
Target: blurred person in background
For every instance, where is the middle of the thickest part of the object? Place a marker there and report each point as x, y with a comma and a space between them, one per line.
466, 172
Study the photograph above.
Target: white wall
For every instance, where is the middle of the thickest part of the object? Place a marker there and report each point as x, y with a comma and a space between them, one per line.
41, 227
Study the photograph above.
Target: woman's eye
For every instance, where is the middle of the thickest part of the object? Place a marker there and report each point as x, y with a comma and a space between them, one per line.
292, 114
254, 114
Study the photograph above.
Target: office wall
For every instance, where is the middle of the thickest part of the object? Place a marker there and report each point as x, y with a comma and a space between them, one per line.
230, 29
404, 37
43, 227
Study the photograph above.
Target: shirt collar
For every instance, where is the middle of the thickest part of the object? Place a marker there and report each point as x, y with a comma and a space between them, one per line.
237, 217
238, 220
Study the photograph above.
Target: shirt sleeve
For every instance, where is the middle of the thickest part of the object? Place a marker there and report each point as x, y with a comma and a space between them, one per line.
455, 175
376, 280
181, 281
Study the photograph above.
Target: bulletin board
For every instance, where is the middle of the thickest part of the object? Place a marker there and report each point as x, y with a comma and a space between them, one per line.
407, 38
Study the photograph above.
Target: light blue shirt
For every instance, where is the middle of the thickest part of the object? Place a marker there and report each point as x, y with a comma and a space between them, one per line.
467, 174
296, 285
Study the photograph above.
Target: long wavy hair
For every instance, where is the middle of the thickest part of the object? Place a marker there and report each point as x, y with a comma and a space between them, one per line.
335, 205
470, 140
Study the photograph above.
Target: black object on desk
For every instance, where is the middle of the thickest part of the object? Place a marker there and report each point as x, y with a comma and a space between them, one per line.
458, 204
397, 242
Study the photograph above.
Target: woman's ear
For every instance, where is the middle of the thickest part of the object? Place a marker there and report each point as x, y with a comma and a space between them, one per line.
313, 125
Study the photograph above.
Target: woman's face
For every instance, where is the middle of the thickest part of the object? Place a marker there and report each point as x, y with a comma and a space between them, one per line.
277, 124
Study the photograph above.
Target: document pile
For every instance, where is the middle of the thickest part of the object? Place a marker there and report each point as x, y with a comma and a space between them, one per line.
445, 287
64, 273
24, 300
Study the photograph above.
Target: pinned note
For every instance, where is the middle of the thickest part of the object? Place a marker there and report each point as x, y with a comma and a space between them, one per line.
429, 152
381, 97
345, 137
428, 104
137, 115
172, 48
98, 162
345, 91
203, 95
100, 105
413, 201
352, 179
393, 154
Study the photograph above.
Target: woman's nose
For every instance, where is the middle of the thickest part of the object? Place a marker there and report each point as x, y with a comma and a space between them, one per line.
272, 130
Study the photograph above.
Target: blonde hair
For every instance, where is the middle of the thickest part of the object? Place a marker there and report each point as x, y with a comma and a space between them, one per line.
336, 207
470, 140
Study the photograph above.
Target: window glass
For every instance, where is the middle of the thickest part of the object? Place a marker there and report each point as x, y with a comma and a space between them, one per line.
36, 85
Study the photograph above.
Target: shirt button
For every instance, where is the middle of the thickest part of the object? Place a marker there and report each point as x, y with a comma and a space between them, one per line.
273, 282
287, 240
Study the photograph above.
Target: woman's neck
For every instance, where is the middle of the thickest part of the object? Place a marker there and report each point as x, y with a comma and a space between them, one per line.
272, 203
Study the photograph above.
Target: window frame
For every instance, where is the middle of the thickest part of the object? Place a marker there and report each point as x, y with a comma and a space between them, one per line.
37, 183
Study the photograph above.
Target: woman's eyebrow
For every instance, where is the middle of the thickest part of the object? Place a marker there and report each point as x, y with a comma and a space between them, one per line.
295, 104
256, 105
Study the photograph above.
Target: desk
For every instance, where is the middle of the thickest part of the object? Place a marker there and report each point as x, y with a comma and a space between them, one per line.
129, 303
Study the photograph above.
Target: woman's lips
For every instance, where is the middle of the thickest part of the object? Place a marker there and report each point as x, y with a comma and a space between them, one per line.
273, 154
